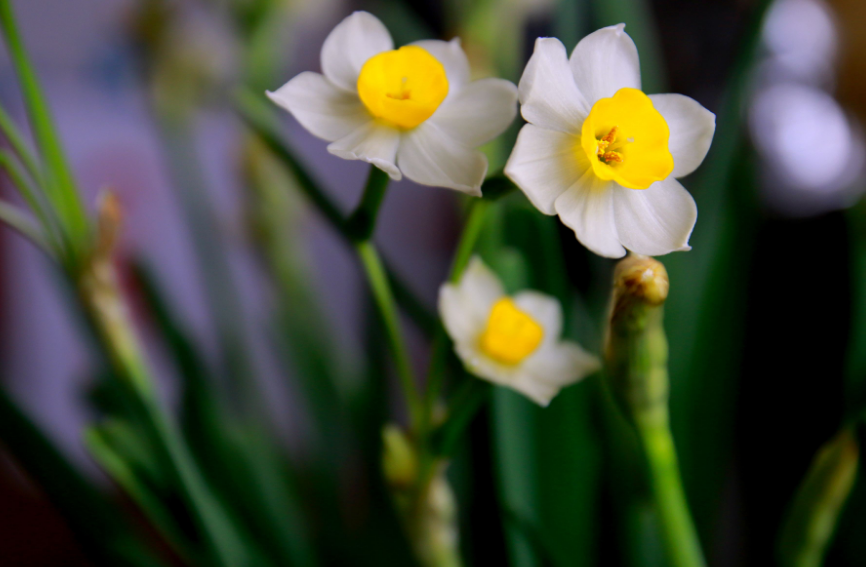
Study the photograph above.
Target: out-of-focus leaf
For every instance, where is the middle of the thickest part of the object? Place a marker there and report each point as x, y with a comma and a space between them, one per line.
262, 120
59, 182
403, 21
641, 27
240, 462
126, 456
98, 523
708, 290
213, 263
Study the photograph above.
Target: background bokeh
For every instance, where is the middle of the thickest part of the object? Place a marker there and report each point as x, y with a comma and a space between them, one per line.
765, 319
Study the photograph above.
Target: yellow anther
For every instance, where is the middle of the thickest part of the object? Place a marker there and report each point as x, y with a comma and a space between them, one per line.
626, 140
608, 157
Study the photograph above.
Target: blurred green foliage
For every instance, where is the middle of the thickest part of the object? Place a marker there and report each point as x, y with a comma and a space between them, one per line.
557, 486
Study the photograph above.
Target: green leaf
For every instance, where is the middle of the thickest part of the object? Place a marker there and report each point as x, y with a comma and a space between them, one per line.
59, 181
240, 461
98, 523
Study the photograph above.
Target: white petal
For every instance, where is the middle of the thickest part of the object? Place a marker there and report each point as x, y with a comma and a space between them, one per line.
463, 324
544, 164
604, 62
429, 156
539, 391
692, 127
465, 306
481, 286
452, 57
323, 109
656, 220
374, 143
545, 310
548, 95
560, 365
349, 45
481, 111
588, 209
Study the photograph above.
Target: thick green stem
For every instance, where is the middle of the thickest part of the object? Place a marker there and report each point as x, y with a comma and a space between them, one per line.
681, 539
636, 355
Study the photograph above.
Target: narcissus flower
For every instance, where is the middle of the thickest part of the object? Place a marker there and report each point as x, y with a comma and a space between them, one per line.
511, 341
603, 155
410, 111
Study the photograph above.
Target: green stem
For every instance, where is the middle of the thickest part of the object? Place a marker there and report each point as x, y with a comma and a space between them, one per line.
263, 121
378, 281
360, 227
681, 539
362, 223
441, 343
471, 231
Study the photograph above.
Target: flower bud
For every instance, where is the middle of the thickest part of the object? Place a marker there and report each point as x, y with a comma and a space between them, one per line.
636, 349
399, 460
818, 502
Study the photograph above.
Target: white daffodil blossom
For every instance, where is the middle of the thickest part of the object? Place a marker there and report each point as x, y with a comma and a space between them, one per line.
410, 111
511, 341
603, 155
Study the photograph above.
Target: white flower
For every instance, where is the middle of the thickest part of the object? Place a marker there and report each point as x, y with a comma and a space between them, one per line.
511, 341
410, 111
601, 154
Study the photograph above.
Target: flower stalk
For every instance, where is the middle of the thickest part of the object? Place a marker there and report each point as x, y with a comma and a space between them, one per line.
636, 353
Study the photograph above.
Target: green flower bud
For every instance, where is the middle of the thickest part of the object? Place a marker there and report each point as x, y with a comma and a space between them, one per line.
636, 350
399, 460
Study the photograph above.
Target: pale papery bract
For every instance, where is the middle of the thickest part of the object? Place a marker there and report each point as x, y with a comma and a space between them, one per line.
548, 164
441, 150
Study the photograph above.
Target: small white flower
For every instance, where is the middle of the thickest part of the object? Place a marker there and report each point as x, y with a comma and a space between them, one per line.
410, 111
511, 341
601, 154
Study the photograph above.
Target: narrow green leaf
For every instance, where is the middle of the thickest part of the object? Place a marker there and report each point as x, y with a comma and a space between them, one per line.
24, 225
59, 181
113, 445
241, 463
34, 198
22, 149
97, 522
256, 111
